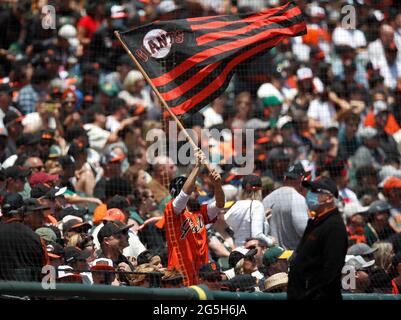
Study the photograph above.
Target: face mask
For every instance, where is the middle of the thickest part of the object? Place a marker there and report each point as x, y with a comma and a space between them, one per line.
312, 200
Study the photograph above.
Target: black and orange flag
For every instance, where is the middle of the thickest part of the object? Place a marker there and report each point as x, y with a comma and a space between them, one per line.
191, 61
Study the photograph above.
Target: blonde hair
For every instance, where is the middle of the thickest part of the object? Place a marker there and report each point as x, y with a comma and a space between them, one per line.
75, 241
383, 255
251, 195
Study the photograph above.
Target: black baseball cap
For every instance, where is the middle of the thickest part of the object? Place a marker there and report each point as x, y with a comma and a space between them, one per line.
242, 282
76, 225
15, 172
176, 185
11, 203
111, 228
251, 182
75, 150
66, 161
210, 271
71, 211
32, 205
39, 191
72, 254
295, 171
322, 183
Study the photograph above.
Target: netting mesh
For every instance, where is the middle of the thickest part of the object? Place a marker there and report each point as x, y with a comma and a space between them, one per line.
79, 134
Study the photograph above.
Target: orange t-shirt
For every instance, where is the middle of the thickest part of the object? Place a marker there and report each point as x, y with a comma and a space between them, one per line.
187, 241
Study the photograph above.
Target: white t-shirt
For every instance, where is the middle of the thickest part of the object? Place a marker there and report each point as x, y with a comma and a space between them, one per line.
322, 111
247, 219
97, 136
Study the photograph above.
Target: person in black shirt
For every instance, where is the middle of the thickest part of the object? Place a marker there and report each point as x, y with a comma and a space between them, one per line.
22, 254
316, 265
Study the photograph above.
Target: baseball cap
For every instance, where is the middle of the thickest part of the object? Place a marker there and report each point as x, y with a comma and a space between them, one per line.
322, 183
15, 172
167, 6
282, 121
274, 281
392, 183
39, 191
114, 214
111, 228
295, 171
72, 254
102, 264
241, 282
56, 192
304, 73
72, 211
271, 101
66, 272
32, 205
210, 271
118, 12
54, 250
176, 185
379, 206
46, 234
361, 249
251, 182
272, 255
66, 161
42, 178
110, 157
11, 203
75, 224
240, 253
352, 208
358, 262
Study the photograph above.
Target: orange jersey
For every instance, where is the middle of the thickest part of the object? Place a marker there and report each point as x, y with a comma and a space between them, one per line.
187, 241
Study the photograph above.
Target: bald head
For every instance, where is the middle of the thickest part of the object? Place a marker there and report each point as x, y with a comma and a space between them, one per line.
34, 163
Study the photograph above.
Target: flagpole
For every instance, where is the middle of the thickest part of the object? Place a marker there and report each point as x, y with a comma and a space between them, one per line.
163, 102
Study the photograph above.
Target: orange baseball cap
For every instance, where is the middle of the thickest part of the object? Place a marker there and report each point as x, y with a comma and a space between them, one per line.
99, 213
392, 183
114, 214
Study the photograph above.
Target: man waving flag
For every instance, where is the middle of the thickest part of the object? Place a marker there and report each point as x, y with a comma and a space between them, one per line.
191, 61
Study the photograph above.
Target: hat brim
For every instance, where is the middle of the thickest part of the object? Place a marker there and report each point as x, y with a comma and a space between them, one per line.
102, 267
53, 256
308, 184
292, 175
37, 208
80, 225
370, 251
